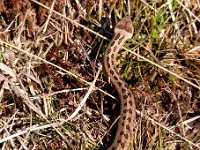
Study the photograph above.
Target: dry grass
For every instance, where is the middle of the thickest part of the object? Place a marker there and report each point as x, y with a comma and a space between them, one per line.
53, 94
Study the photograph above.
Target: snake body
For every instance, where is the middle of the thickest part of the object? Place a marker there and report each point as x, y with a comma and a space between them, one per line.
123, 31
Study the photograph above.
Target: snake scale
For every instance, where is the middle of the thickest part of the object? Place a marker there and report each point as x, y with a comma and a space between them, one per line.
123, 31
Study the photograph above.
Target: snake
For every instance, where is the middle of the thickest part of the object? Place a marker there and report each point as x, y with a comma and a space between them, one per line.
123, 31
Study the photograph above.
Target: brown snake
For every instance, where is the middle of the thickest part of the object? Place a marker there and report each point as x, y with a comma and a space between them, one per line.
123, 31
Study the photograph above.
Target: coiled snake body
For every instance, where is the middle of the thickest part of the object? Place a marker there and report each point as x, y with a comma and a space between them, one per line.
123, 31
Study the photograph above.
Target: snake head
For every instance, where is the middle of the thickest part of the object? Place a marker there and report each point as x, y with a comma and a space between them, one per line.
125, 25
